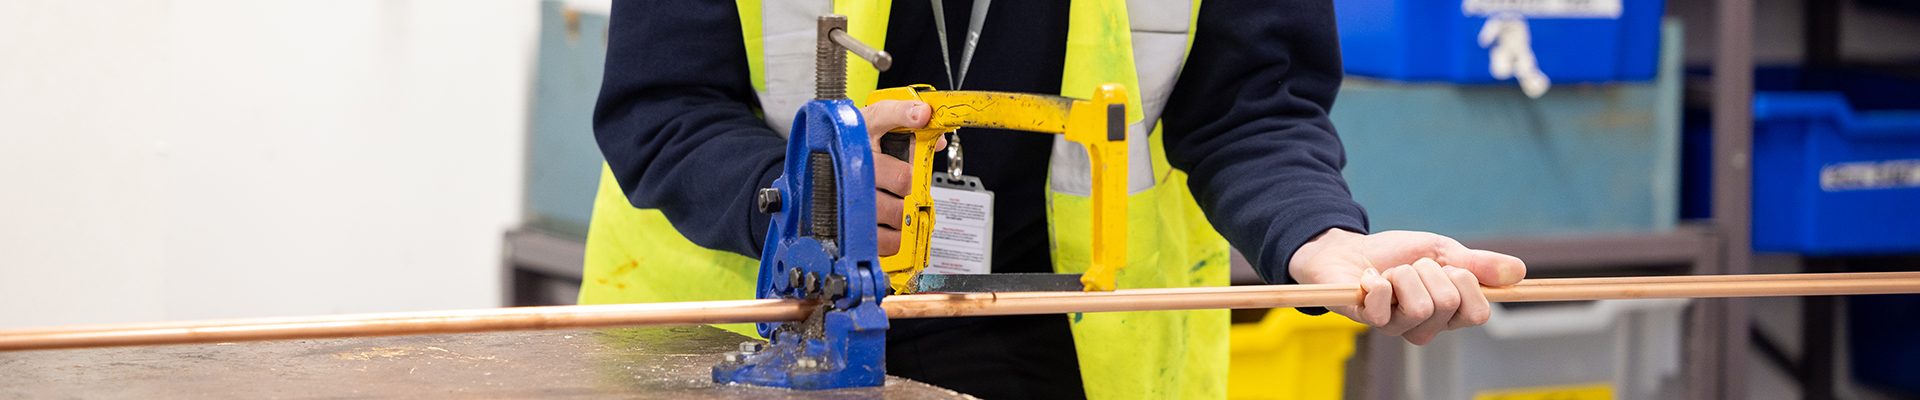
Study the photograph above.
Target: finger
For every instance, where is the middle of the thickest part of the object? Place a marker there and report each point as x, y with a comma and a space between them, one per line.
892, 175
886, 115
1420, 336
1377, 307
1376, 301
1446, 300
1493, 269
1474, 309
1355, 313
886, 209
1415, 304
889, 241
1401, 324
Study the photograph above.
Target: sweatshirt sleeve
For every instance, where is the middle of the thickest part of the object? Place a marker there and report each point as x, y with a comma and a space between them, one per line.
675, 121
1247, 121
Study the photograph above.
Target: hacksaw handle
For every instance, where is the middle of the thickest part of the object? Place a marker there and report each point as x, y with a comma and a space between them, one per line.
916, 147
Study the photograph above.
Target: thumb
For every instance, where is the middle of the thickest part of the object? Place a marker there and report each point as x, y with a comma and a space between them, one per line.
886, 115
1492, 269
1495, 269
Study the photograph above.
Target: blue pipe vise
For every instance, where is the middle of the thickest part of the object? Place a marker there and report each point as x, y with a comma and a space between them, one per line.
821, 246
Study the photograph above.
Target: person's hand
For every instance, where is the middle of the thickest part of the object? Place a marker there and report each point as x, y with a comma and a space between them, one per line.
892, 178
1417, 284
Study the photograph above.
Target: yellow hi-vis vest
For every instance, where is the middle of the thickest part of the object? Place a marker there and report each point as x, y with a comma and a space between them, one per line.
635, 255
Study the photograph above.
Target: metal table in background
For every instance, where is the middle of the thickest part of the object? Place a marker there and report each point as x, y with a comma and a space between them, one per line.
648, 363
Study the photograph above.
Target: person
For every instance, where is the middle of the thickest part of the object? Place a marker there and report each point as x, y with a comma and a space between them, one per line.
696, 95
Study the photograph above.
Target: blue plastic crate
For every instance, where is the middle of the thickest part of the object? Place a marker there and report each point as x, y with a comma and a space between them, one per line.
1831, 180
1426, 40
1865, 90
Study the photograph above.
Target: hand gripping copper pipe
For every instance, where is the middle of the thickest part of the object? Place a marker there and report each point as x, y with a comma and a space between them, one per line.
919, 306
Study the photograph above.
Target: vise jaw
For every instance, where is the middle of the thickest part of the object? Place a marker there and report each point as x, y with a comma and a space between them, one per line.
821, 247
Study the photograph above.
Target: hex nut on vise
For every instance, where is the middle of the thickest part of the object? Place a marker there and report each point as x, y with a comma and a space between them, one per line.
768, 200
835, 286
750, 347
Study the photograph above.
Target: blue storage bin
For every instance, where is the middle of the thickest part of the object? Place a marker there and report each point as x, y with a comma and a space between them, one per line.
1830, 180
1865, 90
1427, 40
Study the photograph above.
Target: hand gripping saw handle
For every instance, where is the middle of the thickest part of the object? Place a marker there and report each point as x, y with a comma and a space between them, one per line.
1098, 123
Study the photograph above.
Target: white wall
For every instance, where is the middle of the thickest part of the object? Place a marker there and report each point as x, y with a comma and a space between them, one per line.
187, 159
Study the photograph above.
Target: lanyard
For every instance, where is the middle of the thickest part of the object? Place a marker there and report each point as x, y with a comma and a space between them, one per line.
956, 190
974, 22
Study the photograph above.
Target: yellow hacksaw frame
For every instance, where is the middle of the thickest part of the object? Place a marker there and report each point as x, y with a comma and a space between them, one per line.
1099, 123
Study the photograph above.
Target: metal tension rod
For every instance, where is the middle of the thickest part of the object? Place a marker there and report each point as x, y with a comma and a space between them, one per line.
919, 306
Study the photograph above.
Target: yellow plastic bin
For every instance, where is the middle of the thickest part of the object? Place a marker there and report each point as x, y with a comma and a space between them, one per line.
1289, 355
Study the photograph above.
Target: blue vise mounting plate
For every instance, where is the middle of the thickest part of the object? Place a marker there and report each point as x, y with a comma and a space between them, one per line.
821, 246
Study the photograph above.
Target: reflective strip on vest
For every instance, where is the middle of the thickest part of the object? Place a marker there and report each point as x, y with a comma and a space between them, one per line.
1097, 54
635, 255
1147, 354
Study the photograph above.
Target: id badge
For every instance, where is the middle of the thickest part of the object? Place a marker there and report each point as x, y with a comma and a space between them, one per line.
962, 241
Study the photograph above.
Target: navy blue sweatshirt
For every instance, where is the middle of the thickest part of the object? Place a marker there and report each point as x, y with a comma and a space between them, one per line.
1247, 121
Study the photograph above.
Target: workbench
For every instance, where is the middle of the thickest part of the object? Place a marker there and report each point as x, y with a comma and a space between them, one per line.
653, 362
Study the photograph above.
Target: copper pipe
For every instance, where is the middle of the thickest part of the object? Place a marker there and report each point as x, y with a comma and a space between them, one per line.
403, 323
918, 306
1271, 296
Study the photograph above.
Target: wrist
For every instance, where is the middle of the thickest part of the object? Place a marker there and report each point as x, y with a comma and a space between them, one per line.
1297, 265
